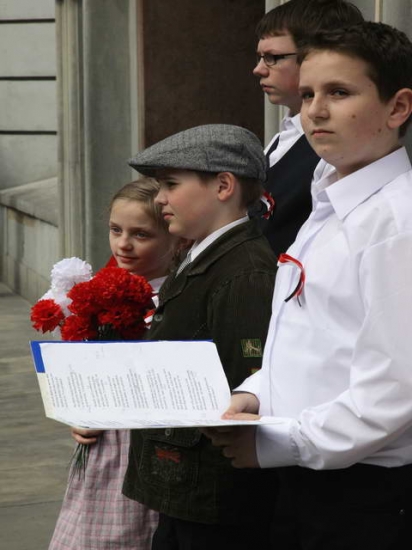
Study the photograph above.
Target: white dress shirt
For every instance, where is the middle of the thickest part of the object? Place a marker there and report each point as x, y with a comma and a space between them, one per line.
290, 131
156, 284
322, 170
337, 370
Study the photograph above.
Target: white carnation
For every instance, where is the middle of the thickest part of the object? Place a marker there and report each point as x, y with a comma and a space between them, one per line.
67, 273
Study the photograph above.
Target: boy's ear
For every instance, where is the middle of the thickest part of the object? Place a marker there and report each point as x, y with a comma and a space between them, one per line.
227, 183
401, 108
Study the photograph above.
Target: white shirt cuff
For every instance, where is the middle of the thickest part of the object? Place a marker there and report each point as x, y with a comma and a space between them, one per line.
275, 446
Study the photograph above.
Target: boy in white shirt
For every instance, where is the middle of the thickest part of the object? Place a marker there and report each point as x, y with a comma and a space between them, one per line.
337, 369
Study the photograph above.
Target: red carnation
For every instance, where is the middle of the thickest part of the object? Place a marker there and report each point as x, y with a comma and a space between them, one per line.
83, 299
46, 315
122, 315
113, 304
113, 316
139, 290
114, 285
109, 286
77, 328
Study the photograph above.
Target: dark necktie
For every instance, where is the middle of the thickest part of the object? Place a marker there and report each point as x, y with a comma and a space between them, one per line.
272, 147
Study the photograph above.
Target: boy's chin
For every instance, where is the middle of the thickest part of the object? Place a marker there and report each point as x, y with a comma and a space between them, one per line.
175, 231
323, 151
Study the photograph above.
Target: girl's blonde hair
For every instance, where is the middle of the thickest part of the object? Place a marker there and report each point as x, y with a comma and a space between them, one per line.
143, 190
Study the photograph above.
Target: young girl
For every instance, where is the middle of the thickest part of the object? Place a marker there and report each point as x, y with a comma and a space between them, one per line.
95, 515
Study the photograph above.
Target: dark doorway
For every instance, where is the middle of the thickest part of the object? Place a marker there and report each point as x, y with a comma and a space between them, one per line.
198, 61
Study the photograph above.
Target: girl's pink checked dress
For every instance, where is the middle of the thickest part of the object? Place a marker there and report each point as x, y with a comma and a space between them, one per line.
95, 515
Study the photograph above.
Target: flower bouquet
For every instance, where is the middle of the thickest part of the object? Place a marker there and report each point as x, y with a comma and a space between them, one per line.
111, 305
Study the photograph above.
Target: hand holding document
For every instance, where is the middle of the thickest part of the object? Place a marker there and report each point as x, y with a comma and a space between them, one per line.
114, 385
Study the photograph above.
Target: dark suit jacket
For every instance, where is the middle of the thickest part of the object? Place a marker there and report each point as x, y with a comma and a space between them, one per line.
289, 182
225, 295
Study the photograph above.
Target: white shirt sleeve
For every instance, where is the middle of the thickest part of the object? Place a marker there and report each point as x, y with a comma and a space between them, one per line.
251, 384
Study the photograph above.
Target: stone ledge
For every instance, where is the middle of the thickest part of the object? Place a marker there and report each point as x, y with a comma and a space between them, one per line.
38, 199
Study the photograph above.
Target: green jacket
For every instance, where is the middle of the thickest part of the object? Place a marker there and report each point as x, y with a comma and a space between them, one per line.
224, 295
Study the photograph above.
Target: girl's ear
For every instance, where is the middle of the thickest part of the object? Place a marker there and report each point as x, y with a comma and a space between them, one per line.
401, 108
226, 185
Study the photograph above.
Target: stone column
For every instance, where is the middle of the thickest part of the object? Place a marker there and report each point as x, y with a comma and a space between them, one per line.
96, 133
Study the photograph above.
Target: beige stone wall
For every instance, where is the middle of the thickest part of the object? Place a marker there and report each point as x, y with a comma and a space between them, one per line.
28, 237
28, 145
28, 121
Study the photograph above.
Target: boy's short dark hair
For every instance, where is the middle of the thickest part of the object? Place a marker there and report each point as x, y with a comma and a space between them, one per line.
302, 17
386, 51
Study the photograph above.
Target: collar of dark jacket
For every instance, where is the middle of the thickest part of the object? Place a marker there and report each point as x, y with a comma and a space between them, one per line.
173, 286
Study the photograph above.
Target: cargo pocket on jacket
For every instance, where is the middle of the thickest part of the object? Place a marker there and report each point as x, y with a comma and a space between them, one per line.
170, 459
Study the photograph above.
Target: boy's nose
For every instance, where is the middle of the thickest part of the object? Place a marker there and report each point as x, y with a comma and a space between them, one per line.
160, 198
261, 69
317, 108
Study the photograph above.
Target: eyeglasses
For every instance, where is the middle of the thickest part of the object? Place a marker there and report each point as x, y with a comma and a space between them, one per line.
270, 59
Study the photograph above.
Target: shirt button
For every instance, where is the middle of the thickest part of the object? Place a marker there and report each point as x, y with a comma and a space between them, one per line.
157, 317
168, 432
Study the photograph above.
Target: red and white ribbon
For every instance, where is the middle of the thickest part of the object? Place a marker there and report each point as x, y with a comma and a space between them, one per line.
148, 318
287, 259
269, 203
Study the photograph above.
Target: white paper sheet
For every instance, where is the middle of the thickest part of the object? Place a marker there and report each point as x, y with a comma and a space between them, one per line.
132, 384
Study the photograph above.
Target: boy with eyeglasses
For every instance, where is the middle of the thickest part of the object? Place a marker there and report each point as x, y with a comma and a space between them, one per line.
292, 160
336, 373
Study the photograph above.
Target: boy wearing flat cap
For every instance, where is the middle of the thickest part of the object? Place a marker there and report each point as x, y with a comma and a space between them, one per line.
209, 176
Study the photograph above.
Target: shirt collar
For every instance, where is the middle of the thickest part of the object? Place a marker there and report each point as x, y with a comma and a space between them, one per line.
289, 122
198, 247
157, 283
349, 192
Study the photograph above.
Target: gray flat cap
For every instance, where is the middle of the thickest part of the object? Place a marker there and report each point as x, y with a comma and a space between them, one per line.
209, 148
